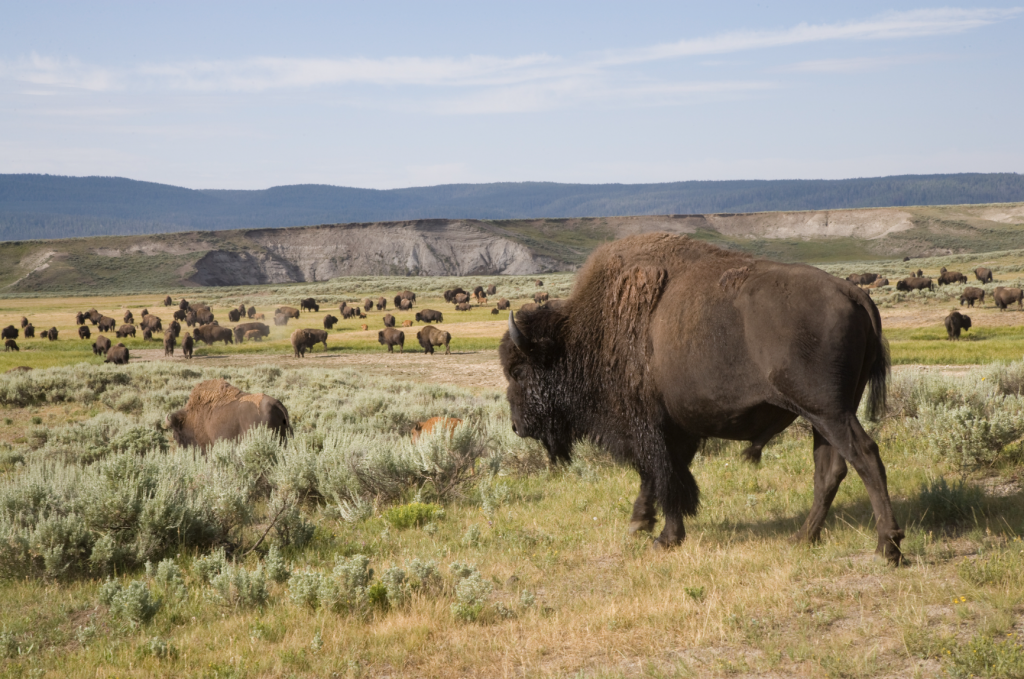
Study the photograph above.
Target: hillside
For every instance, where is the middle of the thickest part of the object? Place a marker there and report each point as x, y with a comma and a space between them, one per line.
44, 206
112, 264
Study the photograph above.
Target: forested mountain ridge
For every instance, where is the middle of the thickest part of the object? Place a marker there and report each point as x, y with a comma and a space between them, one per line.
49, 206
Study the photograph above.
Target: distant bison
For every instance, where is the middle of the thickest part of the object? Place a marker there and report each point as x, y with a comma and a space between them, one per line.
460, 298
94, 316
183, 305
84, 332
462, 306
117, 354
175, 327
101, 346
492, 289
187, 345
449, 295
10, 332
447, 424
367, 303
30, 330
280, 319
253, 335
955, 322
540, 297
52, 334
862, 278
329, 321
24, 322
429, 316
391, 337
1004, 297
234, 316
919, 274
949, 277
11, 345
478, 292
539, 283
169, 338
494, 312
879, 283
304, 339
431, 337
168, 301
179, 315
389, 321
125, 331
213, 333
290, 312
406, 324
915, 283
203, 316
128, 317
504, 304
984, 275
217, 410
242, 330
251, 313
307, 304
147, 334
80, 318
106, 324
154, 324
190, 318
528, 307
972, 295
382, 304
404, 305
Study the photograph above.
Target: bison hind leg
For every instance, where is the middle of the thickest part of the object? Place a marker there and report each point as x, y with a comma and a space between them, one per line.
752, 454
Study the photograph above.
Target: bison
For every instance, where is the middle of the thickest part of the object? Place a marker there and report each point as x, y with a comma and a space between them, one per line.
955, 322
571, 376
10, 332
446, 424
24, 322
101, 346
84, 332
949, 277
80, 318
234, 316
539, 283
280, 319
308, 304
179, 315
117, 354
382, 303
915, 283
147, 335
462, 306
106, 323
429, 316
406, 324
504, 304
492, 289
10, 345
982, 274
862, 278
918, 274
389, 321
449, 295
169, 338
190, 318
529, 306
391, 337
187, 345
460, 298
154, 324
290, 312
217, 410
972, 295
94, 316
125, 331
184, 305
52, 334
478, 292
403, 304
329, 321
168, 301
367, 303
305, 339
128, 317
540, 297
879, 283
30, 330
494, 312
203, 316
254, 335
1004, 297
251, 313
431, 337
213, 333
175, 327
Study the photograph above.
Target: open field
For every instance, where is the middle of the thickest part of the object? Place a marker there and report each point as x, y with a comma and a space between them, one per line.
350, 551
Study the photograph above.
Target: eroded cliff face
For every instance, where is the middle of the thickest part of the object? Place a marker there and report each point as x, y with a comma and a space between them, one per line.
420, 248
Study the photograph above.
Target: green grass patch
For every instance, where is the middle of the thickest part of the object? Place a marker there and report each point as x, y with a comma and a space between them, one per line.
930, 346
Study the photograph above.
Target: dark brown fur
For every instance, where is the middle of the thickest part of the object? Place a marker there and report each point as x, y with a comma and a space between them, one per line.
391, 337
430, 337
217, 410
304, 339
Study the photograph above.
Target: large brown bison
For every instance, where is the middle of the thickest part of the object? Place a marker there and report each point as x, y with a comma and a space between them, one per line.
540, 297
949, 277
329, 321
51, 334
183, 304
492, 289
175, 327
367, 303
449, 295
382, 303
478, 292
389, 321
290, 312
80, 318
203, 316
10, 332
408, 294
241, 329
84, 332
234, 316
251, 312
404, 304
154, 324
626, 361
217, 410
125, 331
106, 324
304, 339
213, 333
431, 337
391, 337
982, 274
955, 322
862, 278
429, 316
190, 318
24, 321
1004, 297
169, 342
101, 346
30, 330
117, 354
915, 283
460, 298
168, 301
308, 304
179, 315
94, 316
187, 345
504, 304
128, 317
972, 295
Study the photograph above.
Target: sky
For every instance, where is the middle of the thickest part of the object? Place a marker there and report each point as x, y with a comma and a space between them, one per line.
250, 95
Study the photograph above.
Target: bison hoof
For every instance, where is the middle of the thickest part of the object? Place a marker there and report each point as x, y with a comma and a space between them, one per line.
641, 526
889, 548
662, 545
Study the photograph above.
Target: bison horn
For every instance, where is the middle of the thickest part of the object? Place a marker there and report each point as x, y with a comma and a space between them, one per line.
519, 339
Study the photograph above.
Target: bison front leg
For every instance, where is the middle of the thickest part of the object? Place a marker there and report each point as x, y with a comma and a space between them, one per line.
643, 508
829, 472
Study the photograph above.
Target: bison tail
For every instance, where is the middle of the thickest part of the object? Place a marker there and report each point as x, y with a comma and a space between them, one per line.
878, 373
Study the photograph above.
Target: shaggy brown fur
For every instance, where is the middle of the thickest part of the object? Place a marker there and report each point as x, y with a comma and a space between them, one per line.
304, 339
972, 295
117, 354
1004, 297
982, 274
217, 410
391, 337
431, 336
242, 330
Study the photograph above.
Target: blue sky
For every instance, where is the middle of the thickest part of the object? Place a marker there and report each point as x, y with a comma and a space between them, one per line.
383, 95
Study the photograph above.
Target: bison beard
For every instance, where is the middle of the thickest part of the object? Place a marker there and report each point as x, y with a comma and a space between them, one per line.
626, 361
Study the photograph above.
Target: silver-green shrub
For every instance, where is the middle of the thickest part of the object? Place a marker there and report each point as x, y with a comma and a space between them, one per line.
239, 587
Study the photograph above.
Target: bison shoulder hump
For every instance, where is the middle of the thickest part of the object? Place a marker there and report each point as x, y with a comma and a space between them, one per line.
733, 278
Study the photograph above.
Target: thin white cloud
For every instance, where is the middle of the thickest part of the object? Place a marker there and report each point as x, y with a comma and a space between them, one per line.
40, 70
852, 65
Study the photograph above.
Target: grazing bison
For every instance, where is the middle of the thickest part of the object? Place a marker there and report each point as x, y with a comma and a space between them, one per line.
154, 324
449, 295
305, 339
84, 332
329, 321
492, 289
213, 333
462, 306
308, 303
30, 330
571, 375
540, 297
117, 354
406, 324
404, 305
128, 317
106, 324
460, 298
389, 321
982, 274
251, 313
955, 322
431, 337
1004, 297
234, 316
972, 295
101, 346
187, 345
169, 338
280, 319
125, 331
217, 410
180, 315
254, 335
916, 283
11, 345
446, 424
391, 337
949, 277
24, 322
80, 318
94, 316
429, 316
494, 312
382, 303
862, 278
367, 303
10, 332
504, 304
168, 301
290, 312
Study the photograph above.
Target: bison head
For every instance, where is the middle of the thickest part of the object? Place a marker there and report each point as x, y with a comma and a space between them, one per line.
540, 395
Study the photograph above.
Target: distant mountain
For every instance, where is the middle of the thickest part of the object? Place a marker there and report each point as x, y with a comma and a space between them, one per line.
48, 206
